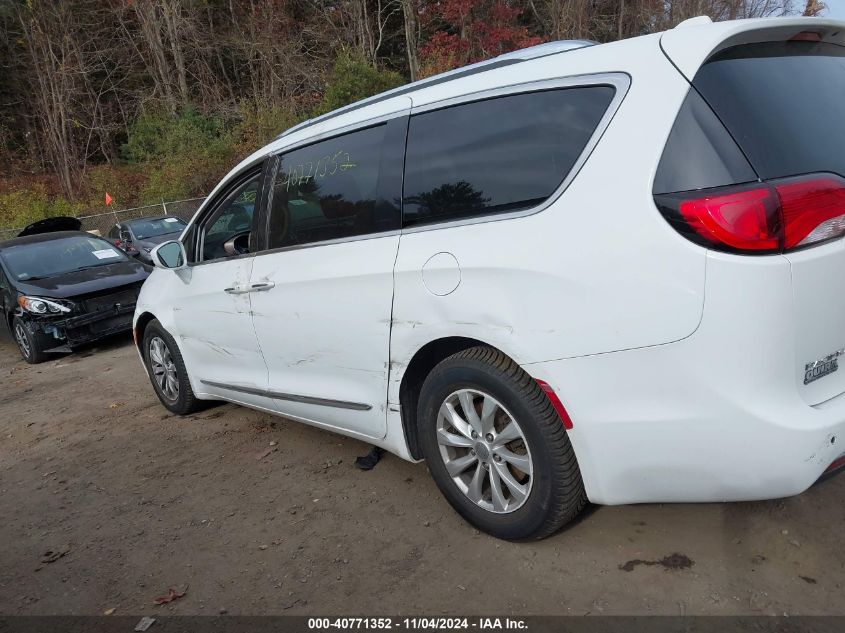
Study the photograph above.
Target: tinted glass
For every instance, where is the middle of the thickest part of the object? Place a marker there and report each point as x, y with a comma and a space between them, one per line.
233, 220
59, 256
497, 155
336, 188
147, 228
716, 159
782, 102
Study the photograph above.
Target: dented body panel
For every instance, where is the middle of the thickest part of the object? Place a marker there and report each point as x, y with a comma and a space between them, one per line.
675, 363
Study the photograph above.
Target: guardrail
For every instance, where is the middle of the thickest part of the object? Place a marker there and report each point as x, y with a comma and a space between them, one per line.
103, 222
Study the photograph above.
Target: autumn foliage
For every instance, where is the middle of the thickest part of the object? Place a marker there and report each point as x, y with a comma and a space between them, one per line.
156, 99
467, 31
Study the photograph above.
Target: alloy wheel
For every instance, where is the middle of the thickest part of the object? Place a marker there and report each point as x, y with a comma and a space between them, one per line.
22, 340
484, 451
164, 369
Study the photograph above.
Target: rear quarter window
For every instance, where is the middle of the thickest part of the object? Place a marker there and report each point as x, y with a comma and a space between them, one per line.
700, 152
503, 154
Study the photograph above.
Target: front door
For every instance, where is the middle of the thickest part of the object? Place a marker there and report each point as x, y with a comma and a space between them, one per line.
212, 314
322, 313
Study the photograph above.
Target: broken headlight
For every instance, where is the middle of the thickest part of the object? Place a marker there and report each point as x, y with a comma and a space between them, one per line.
38, 305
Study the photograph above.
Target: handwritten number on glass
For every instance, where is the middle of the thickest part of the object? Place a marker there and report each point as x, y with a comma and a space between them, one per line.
325, 167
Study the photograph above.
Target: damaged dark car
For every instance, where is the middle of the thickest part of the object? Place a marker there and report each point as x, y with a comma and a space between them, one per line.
61, 289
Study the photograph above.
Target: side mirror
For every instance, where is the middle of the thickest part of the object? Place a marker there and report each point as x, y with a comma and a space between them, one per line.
125, 237
170, 255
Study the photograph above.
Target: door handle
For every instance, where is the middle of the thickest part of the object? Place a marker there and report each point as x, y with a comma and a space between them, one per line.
236, 290
240, 290
265, 285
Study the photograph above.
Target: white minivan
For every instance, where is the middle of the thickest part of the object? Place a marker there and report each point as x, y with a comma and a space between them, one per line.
573, 273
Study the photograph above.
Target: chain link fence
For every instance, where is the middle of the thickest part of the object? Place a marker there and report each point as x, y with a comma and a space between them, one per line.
101, 223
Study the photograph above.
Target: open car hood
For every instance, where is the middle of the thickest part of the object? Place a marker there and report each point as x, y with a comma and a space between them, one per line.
49, 225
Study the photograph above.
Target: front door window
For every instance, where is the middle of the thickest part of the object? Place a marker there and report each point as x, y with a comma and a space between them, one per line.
228, 232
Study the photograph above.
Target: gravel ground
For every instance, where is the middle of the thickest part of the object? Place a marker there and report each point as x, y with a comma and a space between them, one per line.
109, 501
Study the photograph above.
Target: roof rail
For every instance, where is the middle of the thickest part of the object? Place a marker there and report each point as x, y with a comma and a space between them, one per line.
506, 59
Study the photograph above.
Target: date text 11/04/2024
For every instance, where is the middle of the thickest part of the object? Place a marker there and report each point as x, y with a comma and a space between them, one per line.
419, 623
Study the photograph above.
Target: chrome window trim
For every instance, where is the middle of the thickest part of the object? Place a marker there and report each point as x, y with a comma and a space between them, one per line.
221, 260
339, 240
507, 59
618, 80
291, 397
341, 131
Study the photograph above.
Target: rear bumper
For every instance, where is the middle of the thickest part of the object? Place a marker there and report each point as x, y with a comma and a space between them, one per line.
718, 416
660, 432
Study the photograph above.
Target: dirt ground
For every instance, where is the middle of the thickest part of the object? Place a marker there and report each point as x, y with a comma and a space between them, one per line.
128, 501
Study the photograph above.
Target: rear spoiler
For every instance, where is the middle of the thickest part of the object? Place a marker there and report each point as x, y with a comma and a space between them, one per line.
693, 42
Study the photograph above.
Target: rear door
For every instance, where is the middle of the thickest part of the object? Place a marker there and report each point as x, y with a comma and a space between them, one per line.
781, 101
324, 289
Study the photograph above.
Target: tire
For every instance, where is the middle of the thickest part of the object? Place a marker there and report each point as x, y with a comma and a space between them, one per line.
530, 504
168, 361
30, 344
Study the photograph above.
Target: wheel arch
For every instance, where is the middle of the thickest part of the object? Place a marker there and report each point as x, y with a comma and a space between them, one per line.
141, 324
422, 362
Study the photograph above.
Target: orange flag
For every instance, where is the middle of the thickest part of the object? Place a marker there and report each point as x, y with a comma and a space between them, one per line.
109, 199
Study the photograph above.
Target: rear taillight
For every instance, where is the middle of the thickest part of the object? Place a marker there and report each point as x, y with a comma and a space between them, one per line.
760, 218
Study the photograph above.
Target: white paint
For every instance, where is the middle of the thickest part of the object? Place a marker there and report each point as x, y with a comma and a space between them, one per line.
324, 328
679, 367
441, 274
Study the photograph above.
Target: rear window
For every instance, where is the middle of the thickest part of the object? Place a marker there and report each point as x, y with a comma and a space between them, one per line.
51, 258
498, 155
782, 103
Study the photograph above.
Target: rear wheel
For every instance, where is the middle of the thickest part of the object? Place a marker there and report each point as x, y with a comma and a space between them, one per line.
496, 448
167, 371
30, 344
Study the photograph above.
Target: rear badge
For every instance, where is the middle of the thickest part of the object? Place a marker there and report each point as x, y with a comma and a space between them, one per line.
822, 367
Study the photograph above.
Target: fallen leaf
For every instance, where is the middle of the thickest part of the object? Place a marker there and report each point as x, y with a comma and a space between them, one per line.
109, 611
172, 595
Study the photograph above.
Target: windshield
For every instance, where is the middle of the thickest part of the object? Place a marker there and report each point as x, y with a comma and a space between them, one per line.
145, 229
56, 257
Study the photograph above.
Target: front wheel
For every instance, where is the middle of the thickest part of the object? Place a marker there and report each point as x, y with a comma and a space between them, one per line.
30, 345
167, 371
496, 448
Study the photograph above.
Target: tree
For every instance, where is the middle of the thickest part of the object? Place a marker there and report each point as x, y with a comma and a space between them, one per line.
471, 30
354, 79
83, 78
70, 84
